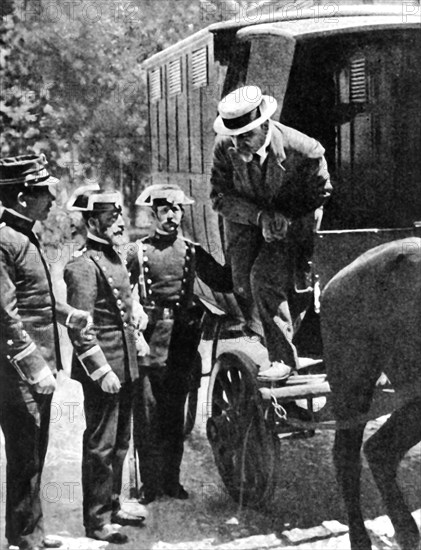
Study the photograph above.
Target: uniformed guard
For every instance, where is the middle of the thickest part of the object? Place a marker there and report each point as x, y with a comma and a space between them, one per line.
29, 343
105, 365
163, 268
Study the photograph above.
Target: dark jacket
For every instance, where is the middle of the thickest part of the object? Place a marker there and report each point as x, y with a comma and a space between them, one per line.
98, 282
28, 311
169, 268
164, 268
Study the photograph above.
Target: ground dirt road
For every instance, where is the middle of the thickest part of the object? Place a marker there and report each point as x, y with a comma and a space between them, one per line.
306, 493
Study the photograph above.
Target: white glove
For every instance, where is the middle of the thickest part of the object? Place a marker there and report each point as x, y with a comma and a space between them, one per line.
139, 317
142, 346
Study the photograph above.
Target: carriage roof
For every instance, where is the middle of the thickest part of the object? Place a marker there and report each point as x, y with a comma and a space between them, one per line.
308, 23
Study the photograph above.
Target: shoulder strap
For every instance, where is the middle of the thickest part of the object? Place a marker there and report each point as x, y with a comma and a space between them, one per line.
142, 285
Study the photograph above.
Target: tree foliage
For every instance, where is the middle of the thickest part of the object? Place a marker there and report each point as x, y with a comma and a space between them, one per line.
73, 87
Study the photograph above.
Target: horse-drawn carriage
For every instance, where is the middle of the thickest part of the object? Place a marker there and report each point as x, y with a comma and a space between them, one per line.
349, 76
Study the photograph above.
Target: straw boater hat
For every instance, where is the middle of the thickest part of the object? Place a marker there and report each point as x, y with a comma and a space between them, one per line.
162, 194
26, 170
91, 198
243, 110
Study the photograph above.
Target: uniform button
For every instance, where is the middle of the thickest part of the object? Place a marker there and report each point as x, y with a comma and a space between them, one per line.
10, 342
145, 248
184, 280
149, 281
122, 312
152, 303
149, 291
119, 302
182, 292
104, 268
125, 325
115, 292
96, 258
146, 269
145, 258
177, 304
110, 279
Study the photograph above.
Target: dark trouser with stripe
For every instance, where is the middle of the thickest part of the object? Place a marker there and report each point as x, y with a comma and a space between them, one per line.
105, 445
158, 422
24, 419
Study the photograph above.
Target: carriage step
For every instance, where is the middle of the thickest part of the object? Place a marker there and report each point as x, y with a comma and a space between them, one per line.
305, 379
296, 391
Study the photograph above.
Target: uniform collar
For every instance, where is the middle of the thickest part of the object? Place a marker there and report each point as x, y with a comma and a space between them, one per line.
96, 243
165, 237
17, 221
93, 237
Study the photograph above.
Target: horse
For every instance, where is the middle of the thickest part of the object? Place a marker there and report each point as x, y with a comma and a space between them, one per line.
371, 324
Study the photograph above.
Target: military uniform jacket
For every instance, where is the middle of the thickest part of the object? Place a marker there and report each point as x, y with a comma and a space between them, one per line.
29, 314
295, 179
164, 268
97, 281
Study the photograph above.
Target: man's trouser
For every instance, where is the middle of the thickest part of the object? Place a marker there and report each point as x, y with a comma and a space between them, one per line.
24, 419
158, 423
105, 445
262, 274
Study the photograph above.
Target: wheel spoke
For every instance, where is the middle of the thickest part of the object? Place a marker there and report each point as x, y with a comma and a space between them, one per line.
226, 386
243, 449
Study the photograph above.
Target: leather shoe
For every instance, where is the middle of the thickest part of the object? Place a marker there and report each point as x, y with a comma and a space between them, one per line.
52, 542
147, 496
108, 533
123, 517
276, 372
176, 491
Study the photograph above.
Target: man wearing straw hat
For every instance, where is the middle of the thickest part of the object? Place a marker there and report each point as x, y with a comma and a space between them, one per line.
29, 343
105, 365
268, 182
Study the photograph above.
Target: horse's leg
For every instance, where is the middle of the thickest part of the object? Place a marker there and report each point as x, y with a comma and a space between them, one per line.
347, 458
384, 450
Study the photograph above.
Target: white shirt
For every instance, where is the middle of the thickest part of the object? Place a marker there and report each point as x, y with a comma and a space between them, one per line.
263, 151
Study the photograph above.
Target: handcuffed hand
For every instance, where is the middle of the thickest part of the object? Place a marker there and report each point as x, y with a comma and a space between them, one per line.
110, 383
46, 386
274, 226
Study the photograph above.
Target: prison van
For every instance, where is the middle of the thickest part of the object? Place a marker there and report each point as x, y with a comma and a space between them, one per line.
347, 75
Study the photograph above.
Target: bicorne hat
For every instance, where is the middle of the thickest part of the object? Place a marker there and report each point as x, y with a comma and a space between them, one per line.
91, 198
162, 194
27, 170
243, 110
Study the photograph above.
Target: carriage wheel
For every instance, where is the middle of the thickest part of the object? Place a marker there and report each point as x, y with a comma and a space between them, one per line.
245, 450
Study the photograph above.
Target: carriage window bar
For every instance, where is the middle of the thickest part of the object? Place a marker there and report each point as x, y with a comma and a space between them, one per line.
199, 63
174, 77
155, 90
358, 80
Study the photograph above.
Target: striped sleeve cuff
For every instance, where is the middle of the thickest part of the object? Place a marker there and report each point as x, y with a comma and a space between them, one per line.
43, 373
100, 372
94, 362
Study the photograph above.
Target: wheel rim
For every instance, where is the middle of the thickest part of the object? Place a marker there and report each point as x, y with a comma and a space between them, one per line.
245, 451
